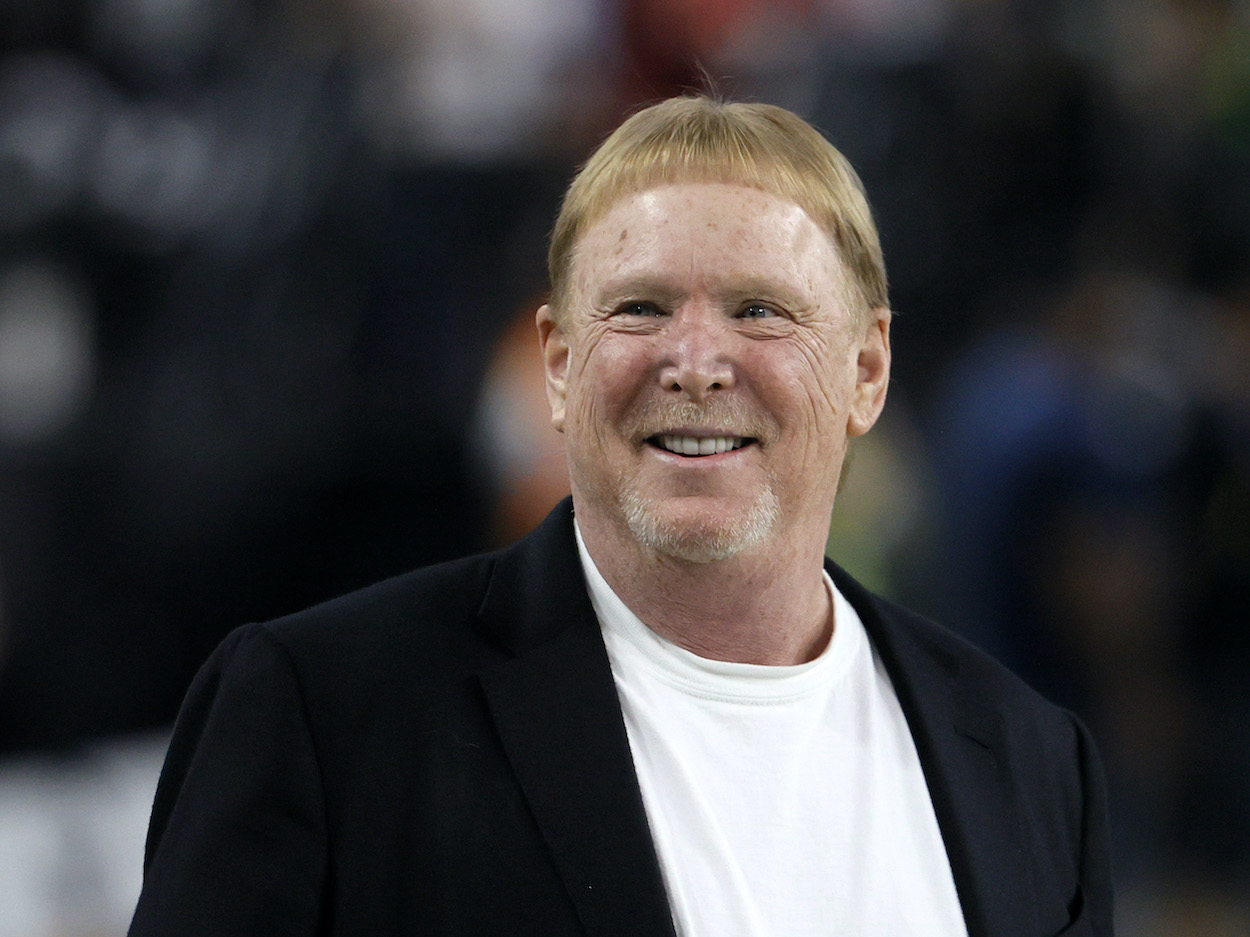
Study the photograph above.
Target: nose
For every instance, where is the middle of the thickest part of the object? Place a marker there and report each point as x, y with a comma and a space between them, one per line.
698, 358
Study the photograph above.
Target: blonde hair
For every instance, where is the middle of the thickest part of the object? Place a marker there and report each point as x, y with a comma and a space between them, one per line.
696, 138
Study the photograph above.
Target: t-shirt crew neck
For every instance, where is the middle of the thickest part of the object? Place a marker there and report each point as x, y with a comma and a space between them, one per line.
781, 799
728, 681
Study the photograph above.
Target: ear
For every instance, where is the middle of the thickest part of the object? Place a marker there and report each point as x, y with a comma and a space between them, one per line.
873, 374
555, 352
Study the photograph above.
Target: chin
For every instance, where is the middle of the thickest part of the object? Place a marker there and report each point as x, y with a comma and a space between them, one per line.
700, 539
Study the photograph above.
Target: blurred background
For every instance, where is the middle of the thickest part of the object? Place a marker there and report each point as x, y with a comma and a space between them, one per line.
267, 277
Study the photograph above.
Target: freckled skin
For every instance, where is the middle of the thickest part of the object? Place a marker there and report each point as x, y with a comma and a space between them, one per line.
713, 309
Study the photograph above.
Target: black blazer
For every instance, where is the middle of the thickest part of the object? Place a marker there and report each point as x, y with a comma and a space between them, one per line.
444, 753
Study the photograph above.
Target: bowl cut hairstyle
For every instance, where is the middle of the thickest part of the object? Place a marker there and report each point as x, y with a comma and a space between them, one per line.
697, 138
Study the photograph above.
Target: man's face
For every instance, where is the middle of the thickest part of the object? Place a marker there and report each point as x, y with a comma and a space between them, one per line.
708, 372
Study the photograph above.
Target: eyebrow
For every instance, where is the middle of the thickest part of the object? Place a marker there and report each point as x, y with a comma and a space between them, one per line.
763, 287
618, 290
739, 287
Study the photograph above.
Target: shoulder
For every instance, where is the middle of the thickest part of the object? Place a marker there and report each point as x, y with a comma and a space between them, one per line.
418, 636
925, 658
451, 607
420, 605
419, 633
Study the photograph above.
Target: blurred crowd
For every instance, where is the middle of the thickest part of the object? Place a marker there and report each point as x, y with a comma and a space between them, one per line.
267, 276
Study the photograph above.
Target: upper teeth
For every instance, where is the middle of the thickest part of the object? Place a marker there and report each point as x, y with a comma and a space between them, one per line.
700, 445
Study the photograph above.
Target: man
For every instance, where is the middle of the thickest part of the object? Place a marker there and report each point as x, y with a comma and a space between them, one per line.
662, 712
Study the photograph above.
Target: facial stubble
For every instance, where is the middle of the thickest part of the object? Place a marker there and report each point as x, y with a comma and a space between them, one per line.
711, 539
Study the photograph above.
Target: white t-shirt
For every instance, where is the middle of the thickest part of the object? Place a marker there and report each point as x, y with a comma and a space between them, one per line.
783, 801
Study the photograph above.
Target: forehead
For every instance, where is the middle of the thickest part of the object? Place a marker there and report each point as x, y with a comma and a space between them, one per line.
707, 233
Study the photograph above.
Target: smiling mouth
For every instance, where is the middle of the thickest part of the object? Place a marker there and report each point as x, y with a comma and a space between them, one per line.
698, 445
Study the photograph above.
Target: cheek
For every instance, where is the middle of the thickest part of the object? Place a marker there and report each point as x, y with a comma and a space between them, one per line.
811, 386
615, 371
811, 396
599, 390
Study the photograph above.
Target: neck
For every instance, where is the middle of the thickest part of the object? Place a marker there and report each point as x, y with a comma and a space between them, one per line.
763, 606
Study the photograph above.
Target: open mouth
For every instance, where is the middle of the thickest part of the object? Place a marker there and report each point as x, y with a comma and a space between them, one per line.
698, 445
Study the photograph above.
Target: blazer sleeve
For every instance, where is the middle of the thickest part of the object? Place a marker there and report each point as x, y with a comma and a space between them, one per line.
1095, 861
237, 840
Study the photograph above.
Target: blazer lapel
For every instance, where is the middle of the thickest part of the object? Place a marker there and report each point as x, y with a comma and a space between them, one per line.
961, 749
556, 709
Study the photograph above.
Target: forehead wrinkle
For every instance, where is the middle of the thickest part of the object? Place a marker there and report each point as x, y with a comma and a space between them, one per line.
621, 243
658, 274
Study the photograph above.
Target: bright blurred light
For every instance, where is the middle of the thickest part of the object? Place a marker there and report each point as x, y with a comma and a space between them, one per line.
46, 355
71, 839
50, 108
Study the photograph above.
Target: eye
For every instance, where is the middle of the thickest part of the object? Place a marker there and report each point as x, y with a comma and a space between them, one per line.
755, 311
639, 308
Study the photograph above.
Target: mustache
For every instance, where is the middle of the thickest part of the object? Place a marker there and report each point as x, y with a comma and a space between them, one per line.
728, 415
